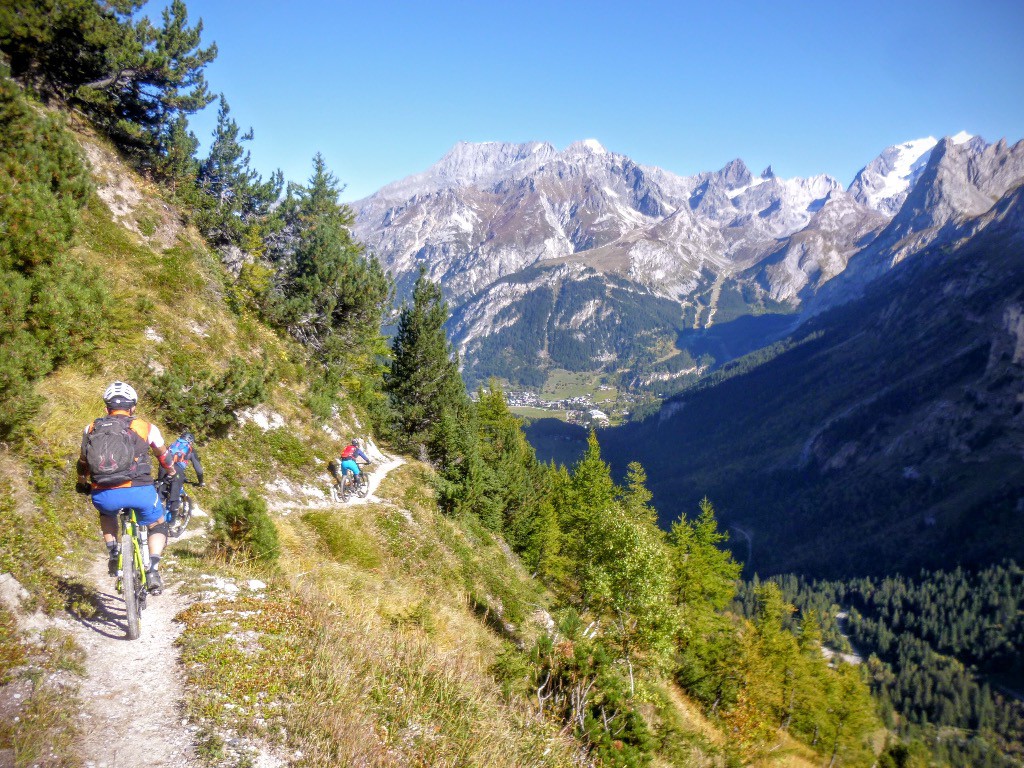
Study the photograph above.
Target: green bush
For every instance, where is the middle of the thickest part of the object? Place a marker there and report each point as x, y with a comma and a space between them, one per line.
284, 446
52, 308
242, 528
204, 402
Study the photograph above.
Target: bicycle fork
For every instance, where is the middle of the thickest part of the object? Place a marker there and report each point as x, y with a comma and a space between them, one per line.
139, 555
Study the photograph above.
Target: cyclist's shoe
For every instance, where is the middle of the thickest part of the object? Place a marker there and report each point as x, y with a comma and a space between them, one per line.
154, 582
112, 563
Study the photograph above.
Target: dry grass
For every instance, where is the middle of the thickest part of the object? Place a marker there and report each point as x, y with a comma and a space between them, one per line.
39, 703
368, 651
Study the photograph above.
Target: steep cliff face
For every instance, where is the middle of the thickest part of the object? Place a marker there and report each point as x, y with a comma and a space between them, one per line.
888, 434
719, 244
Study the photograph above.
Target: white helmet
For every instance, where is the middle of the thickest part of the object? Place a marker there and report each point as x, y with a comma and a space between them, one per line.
121, 395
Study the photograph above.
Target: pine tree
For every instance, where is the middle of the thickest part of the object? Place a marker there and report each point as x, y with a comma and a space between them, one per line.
163, 80
132, 78
591, 493
239, 207
703, 572
850, 718
423, 383
51, 307
177, 167
54, 48
636, 498
332, 296
518, 483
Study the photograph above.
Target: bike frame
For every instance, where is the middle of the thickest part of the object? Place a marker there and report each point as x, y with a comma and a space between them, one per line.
129, 524
349, 483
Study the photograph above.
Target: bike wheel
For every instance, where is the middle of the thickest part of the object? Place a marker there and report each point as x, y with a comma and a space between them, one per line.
183, 516
131, 582
363, 485
346, 486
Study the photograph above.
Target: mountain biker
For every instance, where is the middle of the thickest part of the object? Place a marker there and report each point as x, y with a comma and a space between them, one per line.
349, 454
114, 468
182, 451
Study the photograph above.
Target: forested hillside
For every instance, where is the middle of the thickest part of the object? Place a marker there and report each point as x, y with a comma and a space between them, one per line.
945, 653
484, 608
883, 436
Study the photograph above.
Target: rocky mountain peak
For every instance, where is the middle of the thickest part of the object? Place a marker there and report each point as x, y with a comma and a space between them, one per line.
585, 147
883, 183
468, 163
734, 175
507, 227
963, 178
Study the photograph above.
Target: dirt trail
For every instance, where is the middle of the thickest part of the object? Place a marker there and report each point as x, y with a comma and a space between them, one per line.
132, 695
377, 474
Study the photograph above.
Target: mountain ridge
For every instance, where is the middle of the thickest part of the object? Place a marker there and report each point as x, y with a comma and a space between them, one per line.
718, 244
890, 432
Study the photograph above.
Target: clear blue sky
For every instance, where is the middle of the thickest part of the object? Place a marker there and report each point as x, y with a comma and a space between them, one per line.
383, 89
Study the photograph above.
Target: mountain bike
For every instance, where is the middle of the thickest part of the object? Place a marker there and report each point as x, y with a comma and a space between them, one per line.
184, 513
132, 564
351, 485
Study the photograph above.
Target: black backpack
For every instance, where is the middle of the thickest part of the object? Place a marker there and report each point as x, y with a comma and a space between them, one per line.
113, 452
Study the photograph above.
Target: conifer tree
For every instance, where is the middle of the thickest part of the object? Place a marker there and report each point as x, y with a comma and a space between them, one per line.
132, 78
239, 201
636, 498
51, 306
332, 296
423, 382
177, 167
165, 79
850, 719
704, 573
590, 494
54, 48
519, 487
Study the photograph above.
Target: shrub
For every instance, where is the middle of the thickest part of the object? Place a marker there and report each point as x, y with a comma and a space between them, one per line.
242, 527
51, 307
204, 402
287, 448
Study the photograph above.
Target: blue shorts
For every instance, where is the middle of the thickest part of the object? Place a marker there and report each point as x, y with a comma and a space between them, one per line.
348, 465
142, 498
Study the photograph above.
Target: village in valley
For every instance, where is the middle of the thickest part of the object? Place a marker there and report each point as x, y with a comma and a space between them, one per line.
601, 406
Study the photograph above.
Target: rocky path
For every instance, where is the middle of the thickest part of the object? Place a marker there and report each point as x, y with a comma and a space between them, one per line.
377, 474
132, 695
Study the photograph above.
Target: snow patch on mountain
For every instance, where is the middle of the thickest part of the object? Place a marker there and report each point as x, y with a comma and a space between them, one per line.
493, 222
883, 183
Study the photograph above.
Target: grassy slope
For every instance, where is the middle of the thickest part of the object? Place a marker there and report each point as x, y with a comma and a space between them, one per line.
387, 634
421, 621
409, 623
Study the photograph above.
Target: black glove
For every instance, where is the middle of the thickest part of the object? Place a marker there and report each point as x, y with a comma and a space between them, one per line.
82, 487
